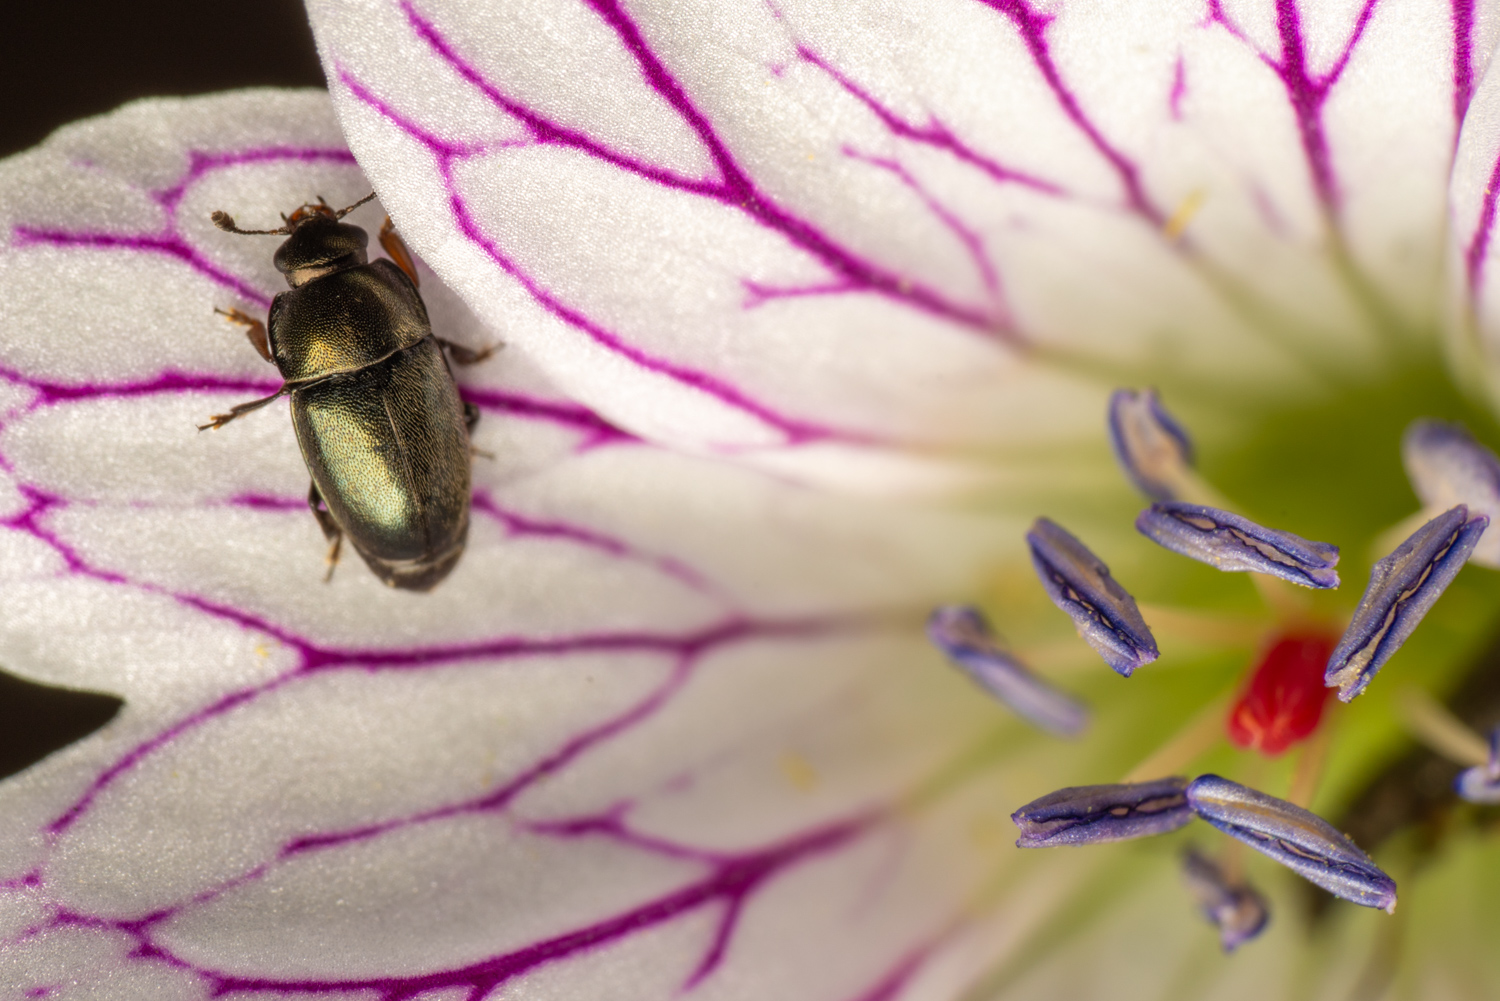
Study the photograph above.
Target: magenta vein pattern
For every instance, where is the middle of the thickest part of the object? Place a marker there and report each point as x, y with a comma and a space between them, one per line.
725, 882
849, 270
1307, 91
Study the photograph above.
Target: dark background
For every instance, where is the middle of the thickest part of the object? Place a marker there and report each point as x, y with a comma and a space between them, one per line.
73, 58
70, 59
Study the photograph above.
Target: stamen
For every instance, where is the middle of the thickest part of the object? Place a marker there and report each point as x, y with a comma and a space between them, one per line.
1089, 815
1481, 784
1310, 765
1199, 735
1285, 698
1236, 909
1195, 625
1402, 588
1232, 543
1447, 466
962, 633
1079, 583
1151, 446
1300, 840
1430, 722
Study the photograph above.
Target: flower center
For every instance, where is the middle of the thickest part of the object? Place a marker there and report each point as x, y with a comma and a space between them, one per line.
1284, 700
1303, 498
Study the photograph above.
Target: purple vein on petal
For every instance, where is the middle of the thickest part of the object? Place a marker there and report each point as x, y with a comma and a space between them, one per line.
168, 244
1463, 59
758, 294
168, 381
498, 799
1306, 91
612, 825
521, 525
170, 241
545, 131
202, 162
1032, 27
972, 241
1179, 89
596, 430
518, 525
313, 659
734, 188
31, 520
729, 884
895, 979
934, 133
795, 431
1478, 249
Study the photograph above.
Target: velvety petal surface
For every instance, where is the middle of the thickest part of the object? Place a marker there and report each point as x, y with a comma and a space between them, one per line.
813, 234
671, 725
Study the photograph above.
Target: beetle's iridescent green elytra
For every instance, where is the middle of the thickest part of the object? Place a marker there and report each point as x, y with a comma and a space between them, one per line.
376, 411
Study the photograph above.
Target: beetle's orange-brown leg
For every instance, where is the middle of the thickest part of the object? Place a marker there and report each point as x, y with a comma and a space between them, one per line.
396, 249
219, 420
331, 530
466, 356
254, 330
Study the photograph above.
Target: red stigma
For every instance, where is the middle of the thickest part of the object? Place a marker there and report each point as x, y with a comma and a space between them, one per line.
1284, 700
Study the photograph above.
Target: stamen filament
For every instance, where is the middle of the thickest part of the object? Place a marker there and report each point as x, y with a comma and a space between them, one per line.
1195, 738
1311, 764
1430, 722
1198, 626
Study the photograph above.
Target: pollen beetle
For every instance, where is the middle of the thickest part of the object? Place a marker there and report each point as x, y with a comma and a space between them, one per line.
377, 414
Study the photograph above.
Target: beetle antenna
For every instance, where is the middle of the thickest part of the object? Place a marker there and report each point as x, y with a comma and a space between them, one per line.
343, 212
225, 221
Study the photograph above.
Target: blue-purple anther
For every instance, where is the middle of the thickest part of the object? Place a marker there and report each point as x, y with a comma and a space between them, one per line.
1231, 543
1447, 466
1091, 815
1302, 841
1402, 588
1481, 784
1151, 446
962, 633
1236, 909
1079, 583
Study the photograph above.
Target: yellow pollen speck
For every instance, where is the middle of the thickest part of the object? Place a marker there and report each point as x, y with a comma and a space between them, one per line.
798, 771
1188, 208
262, 651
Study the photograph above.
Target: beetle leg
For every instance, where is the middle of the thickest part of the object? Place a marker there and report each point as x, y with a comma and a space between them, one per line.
396, 249
331, 530
254, 330
219, 420
466, 356
471, 417
333, 557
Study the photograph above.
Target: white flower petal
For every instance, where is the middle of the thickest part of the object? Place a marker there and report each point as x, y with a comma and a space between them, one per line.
762, 228
1473, 277
665, 721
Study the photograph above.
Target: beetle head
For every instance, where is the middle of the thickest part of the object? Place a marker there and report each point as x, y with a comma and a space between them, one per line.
318, 244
